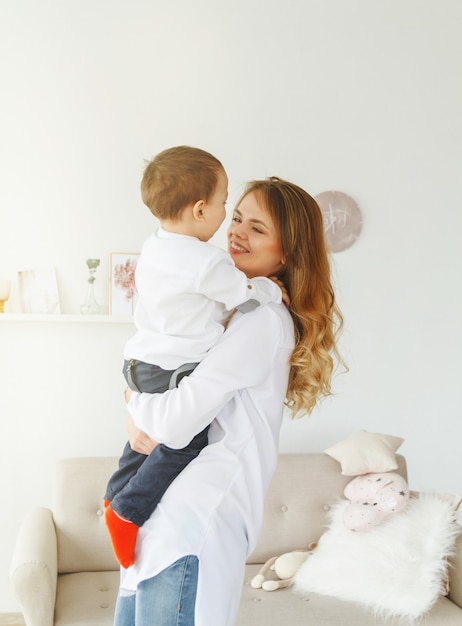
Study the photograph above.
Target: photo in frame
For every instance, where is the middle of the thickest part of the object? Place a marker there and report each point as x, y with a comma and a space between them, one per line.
122, 288
38, 289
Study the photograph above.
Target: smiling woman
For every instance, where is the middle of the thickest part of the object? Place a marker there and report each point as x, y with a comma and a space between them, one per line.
267, 357
252, 235
277, 229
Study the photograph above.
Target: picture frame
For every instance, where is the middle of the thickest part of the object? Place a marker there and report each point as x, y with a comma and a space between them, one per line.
122, 288
38, 290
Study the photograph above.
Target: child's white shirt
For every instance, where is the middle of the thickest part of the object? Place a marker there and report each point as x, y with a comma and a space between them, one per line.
185, 288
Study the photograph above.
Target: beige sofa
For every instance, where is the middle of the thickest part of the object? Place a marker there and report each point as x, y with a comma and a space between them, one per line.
64, 574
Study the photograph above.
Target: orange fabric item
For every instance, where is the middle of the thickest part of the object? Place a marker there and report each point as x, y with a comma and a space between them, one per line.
123, 534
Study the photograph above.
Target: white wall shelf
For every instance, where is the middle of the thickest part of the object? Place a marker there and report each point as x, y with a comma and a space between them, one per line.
63, 318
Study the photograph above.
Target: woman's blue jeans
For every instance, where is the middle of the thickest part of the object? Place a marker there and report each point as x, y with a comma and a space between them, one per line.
167, 599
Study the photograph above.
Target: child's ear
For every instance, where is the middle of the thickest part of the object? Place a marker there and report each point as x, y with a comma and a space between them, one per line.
198, 210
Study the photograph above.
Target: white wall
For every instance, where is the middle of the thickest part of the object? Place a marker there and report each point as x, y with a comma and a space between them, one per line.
360, 96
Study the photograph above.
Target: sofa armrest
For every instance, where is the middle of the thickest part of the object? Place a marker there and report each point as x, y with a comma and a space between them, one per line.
34, 568
455, 573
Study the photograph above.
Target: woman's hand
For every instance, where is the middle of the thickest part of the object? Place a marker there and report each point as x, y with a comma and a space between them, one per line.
139, 441
282, 287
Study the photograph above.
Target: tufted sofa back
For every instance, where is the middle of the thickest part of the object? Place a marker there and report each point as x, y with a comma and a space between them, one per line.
301, 493
78, 513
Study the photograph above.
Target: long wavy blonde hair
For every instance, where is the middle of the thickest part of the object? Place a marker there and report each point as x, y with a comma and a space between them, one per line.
307, 277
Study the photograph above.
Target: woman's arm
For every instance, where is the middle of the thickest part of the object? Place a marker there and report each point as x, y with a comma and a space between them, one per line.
240, 359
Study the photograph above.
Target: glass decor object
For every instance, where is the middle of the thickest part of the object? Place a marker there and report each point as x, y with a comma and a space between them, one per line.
90, 306
38, 290
5, 288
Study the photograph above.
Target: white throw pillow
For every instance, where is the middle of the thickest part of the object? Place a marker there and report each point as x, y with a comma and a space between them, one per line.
396, 569
366, 453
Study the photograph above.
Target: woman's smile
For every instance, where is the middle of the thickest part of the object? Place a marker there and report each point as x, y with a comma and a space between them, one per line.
235, 248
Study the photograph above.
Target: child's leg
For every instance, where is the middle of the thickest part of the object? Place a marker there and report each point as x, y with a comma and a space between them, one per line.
143, 493
147, 378
134, 504
129, 463
142, 377
135, 493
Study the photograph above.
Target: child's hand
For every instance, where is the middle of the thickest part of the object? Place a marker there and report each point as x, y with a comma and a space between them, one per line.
282, 287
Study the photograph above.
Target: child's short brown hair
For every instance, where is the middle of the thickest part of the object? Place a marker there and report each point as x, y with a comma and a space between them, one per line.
178, 177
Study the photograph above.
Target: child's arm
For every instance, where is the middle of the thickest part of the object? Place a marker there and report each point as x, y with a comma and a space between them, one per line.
220, 280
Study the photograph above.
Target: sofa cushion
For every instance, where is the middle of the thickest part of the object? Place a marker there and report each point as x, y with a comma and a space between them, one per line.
261, 608
396, 568
86, 598
366, 453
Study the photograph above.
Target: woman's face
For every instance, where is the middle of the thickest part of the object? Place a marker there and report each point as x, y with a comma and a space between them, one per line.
253, 240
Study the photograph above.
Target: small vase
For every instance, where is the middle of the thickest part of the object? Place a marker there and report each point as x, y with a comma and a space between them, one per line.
90, 305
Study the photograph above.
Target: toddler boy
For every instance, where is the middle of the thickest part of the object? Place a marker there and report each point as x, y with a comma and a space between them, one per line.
186, 287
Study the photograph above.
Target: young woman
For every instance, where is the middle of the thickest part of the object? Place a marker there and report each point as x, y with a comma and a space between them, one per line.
191, 553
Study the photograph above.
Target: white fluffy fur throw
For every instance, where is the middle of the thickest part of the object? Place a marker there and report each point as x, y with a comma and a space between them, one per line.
396, 568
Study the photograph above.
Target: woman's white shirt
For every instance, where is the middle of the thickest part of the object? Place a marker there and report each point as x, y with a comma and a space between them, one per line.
214, 508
